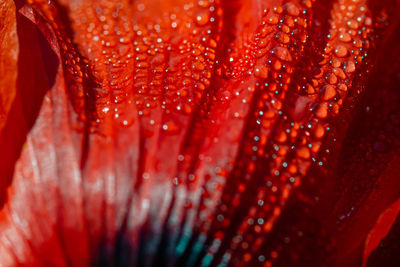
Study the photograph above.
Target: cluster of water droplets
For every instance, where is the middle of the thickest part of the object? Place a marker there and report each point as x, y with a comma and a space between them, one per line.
168, 63
270, 57
297, 139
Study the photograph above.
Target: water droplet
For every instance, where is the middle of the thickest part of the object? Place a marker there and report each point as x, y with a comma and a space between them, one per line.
310, 89
261, 71
358, 43
328, 92
281, 137
353, 24
339, 73
276, 64
342, 87
282, 53
349, 66
341, 51
198, 66
202, 18
336, 63
368, 21
303, 152
203, 3
124, 40
331, 78
292, 9
273, 20
345, 37
319, 131
282, 38
322, 111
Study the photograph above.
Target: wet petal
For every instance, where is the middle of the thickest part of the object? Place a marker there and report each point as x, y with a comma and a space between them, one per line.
8, 55
186, 131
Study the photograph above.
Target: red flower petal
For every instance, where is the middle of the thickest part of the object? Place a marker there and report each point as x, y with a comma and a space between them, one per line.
8, 55
180, 131
381, 229
387, 251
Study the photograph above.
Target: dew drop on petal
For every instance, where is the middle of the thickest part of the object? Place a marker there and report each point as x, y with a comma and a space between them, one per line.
341, 51
261, 71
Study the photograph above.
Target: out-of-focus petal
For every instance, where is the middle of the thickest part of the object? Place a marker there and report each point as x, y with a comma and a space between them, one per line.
8, 58
387, 252
381, 228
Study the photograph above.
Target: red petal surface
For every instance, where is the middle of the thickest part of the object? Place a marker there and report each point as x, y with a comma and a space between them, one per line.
381, 229
8, 56
199, 133
387, 251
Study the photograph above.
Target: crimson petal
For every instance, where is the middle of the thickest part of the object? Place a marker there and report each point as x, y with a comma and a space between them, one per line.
186, 132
